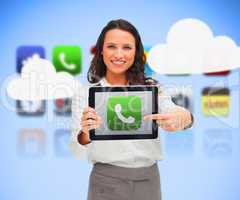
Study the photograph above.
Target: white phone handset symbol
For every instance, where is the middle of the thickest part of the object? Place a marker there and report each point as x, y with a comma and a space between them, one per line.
118, 109
69, 66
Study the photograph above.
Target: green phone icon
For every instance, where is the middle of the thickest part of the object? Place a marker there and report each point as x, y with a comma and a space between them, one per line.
68, 59
124, 112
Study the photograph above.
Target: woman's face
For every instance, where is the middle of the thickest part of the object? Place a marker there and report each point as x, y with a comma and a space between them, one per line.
118, 51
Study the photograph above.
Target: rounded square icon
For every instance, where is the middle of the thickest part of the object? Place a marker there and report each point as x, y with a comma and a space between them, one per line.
183, 100
30, 108
31, 143
63, 106
68, 59
26, 52
216, 101
124, 112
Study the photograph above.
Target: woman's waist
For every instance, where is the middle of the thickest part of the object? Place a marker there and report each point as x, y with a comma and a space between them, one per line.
140, 173
133, 154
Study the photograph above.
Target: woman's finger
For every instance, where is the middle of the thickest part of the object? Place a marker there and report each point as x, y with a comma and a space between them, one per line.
157, 117
87, 122
89, 109
92, 127
89, 115
167, 125
164, 123
88, 127
96, 121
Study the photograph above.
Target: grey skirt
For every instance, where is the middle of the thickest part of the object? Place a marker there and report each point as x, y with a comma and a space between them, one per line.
108, 182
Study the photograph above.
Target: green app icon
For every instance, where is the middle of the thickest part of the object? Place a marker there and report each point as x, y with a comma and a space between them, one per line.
68, 59
124, 112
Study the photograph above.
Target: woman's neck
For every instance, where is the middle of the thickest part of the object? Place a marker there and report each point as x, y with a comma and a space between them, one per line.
116, 79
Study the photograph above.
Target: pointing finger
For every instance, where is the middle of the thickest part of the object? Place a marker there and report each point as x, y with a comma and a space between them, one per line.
157, 117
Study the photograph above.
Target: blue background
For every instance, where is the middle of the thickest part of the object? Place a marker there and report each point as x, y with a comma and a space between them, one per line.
201, 163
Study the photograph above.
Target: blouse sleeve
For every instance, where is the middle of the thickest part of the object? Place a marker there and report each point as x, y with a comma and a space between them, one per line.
79, 102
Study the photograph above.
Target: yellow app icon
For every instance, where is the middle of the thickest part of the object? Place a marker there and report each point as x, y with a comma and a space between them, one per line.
215, 101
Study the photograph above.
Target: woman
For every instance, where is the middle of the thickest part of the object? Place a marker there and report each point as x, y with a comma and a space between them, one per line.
124, 169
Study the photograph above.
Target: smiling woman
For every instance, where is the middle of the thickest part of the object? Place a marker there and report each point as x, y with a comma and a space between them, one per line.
123, 169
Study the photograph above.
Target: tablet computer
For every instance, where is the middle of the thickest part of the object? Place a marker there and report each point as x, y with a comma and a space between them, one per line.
122, 110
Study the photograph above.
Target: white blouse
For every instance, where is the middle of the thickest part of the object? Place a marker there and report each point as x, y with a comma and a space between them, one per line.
124, 153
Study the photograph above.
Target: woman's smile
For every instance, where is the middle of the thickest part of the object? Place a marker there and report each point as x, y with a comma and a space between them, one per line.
118, 63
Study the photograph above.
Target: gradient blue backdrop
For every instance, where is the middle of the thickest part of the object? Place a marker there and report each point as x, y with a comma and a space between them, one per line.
202, 163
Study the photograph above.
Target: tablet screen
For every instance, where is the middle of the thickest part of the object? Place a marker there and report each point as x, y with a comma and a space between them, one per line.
122, 111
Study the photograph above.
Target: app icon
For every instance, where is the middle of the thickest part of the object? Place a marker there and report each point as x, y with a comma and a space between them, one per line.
182, 100
63, 106
68, 59
93, 50
181, 96
215, 101
30, 108
124, 112
26, 52
218, 143
61, 142
31, 143
147, 70
220, 73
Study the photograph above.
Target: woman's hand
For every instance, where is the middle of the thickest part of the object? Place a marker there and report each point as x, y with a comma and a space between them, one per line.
90, 120
172, 121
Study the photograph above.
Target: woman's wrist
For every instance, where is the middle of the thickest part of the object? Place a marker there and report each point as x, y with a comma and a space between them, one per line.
83, 138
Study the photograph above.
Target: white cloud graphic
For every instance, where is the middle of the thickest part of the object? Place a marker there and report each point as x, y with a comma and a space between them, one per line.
40, 81
191, 48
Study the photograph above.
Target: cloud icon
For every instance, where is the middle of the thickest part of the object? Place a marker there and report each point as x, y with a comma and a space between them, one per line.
40, 81
191, 48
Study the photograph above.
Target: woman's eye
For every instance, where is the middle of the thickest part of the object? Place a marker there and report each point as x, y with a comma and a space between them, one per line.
127, 47
110, 46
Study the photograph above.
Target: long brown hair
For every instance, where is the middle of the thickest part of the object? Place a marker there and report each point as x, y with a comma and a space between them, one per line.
135, 74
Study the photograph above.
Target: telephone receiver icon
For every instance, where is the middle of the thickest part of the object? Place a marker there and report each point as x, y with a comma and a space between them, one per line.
118, 109
69, 66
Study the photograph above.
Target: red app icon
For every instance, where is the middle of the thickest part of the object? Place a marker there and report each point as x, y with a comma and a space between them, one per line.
63, 106
219, 73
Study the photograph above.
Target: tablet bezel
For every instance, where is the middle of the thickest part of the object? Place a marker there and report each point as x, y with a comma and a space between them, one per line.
91, 103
